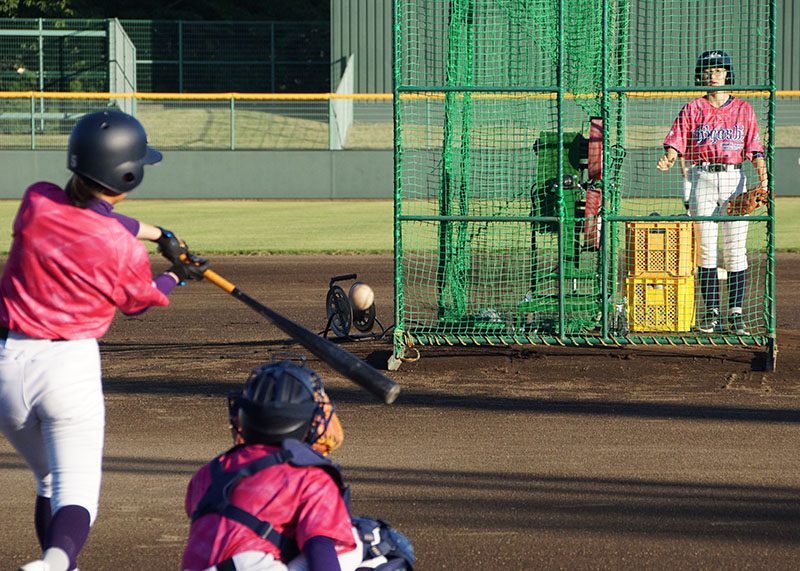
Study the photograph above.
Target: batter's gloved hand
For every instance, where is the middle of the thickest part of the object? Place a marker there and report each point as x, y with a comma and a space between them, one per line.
170, 246
191, 268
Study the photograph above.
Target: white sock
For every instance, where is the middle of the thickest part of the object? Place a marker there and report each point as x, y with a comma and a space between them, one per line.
56, 558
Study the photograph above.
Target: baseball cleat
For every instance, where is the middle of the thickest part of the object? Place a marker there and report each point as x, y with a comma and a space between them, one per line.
710, 322
37, 565
736, 324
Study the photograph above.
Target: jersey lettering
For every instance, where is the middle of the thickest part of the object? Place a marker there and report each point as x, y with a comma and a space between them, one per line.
709, 135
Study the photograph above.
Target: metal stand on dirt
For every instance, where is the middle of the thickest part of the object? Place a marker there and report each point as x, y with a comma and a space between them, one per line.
343, 316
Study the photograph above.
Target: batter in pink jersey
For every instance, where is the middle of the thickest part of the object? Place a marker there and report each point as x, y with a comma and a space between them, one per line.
713, 135
73, 263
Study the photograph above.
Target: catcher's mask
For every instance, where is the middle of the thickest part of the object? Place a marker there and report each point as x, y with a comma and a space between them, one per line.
281, 399
110, 148
712, 59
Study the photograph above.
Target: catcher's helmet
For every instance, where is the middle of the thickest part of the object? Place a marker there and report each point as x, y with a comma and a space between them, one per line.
714, 58
280, 400
110, 148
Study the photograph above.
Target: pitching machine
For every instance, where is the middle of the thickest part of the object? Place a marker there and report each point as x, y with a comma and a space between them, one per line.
343, 315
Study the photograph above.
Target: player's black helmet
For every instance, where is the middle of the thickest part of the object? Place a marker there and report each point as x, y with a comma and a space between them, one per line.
280, 400
714, 58
110, 148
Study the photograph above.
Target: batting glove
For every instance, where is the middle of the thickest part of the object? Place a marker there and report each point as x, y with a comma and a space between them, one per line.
170, 246
192, 269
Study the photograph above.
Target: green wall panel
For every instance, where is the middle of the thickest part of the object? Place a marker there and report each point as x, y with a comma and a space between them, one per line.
226, 174
274, 174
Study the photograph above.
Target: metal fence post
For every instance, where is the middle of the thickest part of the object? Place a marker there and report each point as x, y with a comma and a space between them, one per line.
233, 123
272, 57
33, 122
41, 69
180, 56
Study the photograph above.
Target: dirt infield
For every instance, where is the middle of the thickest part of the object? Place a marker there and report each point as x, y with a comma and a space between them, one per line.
508, 458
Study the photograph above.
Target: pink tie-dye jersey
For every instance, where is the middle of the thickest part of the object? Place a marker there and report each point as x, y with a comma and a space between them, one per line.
300, 502
69, 269
703, 133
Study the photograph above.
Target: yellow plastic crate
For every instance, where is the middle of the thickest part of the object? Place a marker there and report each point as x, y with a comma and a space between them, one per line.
660, 303
660, 248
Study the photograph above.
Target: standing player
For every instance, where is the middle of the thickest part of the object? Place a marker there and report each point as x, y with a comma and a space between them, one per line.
715, 134
274, 502
73, 262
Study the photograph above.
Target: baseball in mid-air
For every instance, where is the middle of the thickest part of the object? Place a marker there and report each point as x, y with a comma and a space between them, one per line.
361, 296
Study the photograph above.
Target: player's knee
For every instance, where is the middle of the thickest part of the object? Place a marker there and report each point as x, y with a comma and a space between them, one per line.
737, 265
89, 504
44, 485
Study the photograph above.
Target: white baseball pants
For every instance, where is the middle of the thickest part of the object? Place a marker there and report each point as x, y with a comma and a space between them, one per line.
711, 192
52, 412
259, 561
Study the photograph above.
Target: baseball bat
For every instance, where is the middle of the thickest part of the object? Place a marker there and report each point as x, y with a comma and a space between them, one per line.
339, 359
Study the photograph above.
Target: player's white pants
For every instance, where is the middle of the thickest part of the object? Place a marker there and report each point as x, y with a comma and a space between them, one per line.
52, 412
254, 561
348, 561
711, 192
258, 561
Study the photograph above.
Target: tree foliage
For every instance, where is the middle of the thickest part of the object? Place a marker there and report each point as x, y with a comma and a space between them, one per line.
169, 9
36, 9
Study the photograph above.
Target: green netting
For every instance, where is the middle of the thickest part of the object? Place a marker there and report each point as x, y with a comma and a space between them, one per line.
499, 109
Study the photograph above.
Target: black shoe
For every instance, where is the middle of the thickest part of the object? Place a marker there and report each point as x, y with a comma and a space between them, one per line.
710, 322
736, 324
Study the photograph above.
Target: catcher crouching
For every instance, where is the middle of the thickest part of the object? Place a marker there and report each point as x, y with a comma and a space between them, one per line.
275, 502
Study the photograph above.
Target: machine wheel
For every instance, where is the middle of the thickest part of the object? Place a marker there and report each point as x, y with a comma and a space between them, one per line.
364, 320
339, 311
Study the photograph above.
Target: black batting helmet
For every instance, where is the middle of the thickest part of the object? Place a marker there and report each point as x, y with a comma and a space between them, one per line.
714, 58
280, 400
110, 148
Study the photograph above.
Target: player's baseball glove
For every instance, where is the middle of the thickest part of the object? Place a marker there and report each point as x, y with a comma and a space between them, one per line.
745, 203
331, 433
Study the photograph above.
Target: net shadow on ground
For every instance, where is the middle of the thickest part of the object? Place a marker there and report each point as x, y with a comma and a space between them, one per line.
582, 407
192, 386
539, 502
122, 464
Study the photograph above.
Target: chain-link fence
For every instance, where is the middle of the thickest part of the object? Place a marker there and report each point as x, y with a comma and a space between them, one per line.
53, 55
170, 56
206, 121
217, 121
214, 57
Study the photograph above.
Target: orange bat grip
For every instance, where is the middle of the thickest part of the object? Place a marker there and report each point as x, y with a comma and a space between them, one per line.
214, 277
219, 281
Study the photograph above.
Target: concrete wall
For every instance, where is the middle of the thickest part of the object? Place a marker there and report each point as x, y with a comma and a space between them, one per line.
227, 174
276, 174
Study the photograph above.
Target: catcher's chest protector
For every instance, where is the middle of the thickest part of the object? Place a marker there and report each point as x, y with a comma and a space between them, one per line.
216, 499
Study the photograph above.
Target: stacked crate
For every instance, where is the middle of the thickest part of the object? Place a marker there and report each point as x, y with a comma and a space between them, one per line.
660, 281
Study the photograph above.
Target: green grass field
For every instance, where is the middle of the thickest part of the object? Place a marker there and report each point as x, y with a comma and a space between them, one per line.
250, 227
